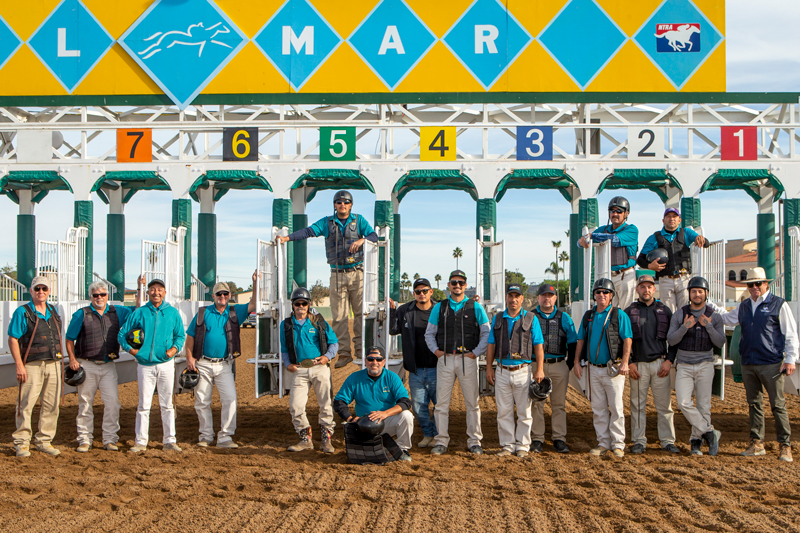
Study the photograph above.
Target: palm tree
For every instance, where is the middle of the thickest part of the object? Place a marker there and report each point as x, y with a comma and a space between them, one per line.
416, 276
404, 282
556, 245
457, 253
554, 269
564, 257
437, 278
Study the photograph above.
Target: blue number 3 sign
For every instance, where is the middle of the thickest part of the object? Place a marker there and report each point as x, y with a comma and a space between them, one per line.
534, 143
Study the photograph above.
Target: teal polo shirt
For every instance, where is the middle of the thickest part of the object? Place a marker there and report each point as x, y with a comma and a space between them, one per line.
536, 335
306, 339
370, 394
602, 356
18, 326
215, 345
566, 324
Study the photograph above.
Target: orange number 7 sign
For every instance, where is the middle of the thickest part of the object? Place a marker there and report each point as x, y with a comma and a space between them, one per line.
134, 146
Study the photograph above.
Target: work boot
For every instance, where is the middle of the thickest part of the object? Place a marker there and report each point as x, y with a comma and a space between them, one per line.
637, 449
536, 446
503, 453
327, 446
84, 447
22, 451
786, 453
172, 447
139, 448
343, 361
438, 450
560, 446
476, 450
696, 444
712, 438
426, 441
756, 448
521, 454
305, 441
48, 449
599, 451
671, 448
111, 447
618, 452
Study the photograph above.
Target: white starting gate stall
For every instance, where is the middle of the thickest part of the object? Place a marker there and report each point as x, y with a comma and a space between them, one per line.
791, 384
272, 307
497, 295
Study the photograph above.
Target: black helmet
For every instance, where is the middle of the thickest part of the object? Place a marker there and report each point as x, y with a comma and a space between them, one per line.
604, 284
540, 391
658, 254
698, 282
343, 195
74, 378
621, 202
370, 427
135, 338
189, 379
300, 293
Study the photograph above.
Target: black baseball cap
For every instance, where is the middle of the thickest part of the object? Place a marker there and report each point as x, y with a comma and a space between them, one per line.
546, 288
457, 274
421, 281
514, 288
376, 350
154, 281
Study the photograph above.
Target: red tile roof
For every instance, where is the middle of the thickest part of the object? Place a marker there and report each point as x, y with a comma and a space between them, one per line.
752, 257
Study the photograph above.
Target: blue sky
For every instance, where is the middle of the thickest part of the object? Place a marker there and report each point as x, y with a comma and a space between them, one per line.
762, 55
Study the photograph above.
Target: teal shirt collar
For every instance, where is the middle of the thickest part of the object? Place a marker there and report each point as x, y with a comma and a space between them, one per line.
521, 314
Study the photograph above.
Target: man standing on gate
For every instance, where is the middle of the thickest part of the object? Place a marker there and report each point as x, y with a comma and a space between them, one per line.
516, 339
212, 344
695, 330
560, 337
604, 341
769, 351
673, 274
92, 339
410, 320
164, 337
344, 234
34, 337
458, 332
624, 239
650, 366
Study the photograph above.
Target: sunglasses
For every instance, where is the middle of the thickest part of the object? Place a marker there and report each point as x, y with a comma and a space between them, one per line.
342, 202
40, 289
301, 304
618, 211
223, 293
372, 359
460, 283
603, 292
754, 284
100, 295
421, 291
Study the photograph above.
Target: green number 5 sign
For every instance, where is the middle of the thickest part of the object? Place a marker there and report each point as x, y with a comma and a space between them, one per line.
337, 144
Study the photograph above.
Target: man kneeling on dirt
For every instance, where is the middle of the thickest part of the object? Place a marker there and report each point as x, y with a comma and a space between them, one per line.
380, 395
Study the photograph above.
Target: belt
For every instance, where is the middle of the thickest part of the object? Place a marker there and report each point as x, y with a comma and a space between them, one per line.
514, 368
598, 366
676, 276
95, 361
554, 360
621, 272
348, 269
214, 359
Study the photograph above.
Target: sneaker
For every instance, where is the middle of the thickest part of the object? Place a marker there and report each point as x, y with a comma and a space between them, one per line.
48, 449
786, 453
503, 453
536, 446
671, 448
438, 450
560, 446
305, 441
597, 452
406, 456
476, 450
618, 452
637, 449
227, 444
139, 448
756, 448
84, 447
343, 361
203, 444
521, 454
696, 444
111, 447
712, 438
425, 442
172, 447
22, 451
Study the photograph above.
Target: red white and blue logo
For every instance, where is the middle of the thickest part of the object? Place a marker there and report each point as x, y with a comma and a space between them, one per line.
681, 38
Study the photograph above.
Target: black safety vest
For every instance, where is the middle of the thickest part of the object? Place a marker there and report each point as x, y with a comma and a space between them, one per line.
98, 336
337, 244
46, 345
661, 316
696, 338
612, 334
288, 335
520, 341
232, 338
555, 338
680, 256
619, 254
457, 330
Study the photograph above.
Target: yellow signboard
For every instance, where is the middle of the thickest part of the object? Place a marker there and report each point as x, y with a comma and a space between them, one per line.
193, 47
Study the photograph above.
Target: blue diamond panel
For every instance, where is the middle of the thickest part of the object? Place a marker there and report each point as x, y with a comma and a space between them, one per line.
391, 40
582, 38
9, 42
70, 42
297, 40
183, 45
487, 39
678, 38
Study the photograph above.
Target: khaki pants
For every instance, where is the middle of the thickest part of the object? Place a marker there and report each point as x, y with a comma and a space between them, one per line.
625, 288
673, 292
695, 379
103, 377
400, 427
447, 370
559, 375
347, 293
44, 381
607, 408
662, 397
221, 375
318, 377
511, 388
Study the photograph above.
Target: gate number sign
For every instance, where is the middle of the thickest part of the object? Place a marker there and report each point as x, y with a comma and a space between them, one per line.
337, 144
535, 143
739, 143
240, 144
646, 143
437, 143
134, 146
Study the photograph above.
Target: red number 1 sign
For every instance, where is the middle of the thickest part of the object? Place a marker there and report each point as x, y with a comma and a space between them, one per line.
739, 143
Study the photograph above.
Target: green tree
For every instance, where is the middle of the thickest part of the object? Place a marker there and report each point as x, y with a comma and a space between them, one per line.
516, 278
416, 276
439, 295
564, 257
437, 278
404, 283
555, 270
233, 287
457, 254
319, 292
10, 271
562, 287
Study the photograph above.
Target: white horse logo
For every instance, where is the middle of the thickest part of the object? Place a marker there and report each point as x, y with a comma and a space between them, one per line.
174, 37
678, 39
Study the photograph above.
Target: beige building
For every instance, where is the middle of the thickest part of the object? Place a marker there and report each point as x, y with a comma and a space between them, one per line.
740, 255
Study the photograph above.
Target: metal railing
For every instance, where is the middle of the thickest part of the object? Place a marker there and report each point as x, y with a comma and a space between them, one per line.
199, 290
776, 286
47, 266
164, 260
709, 262
794, 251
11, 290
112, 289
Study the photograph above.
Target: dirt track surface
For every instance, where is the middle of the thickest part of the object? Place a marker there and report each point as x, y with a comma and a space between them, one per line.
261, 487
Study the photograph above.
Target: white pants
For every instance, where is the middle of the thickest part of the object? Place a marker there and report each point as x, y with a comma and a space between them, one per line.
103, 377
512, 388
159, 377
695, 379
673, 292
400, 427
662, 397
559, 375
447, 370
609, 415
318, 377
221, 375
625, 288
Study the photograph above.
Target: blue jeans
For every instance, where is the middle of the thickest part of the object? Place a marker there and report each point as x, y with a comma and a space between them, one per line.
423, 391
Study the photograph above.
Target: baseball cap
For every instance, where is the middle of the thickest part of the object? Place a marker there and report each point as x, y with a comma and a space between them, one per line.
373, 350
220, 287
154, 281
40, 280
545, 288
457, 274
645, 278
672, 210
421, 281
514, 288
